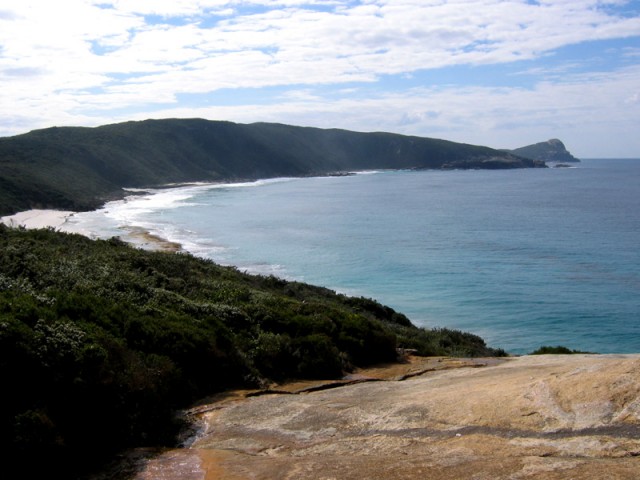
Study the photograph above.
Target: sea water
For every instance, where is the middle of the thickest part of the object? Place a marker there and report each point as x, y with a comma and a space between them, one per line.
523, 258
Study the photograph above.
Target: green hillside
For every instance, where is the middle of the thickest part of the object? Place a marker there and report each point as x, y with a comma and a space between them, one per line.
80, 168
101, 342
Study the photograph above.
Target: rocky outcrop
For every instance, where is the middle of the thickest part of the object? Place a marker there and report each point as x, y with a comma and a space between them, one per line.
494, 163
542, 417
550, 151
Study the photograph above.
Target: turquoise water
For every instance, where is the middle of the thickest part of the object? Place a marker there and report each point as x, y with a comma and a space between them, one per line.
523, 258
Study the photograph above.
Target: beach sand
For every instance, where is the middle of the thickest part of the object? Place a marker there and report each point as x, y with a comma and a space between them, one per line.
136, 236
37, 219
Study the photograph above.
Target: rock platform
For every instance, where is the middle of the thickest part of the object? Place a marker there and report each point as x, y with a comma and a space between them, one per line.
533, 417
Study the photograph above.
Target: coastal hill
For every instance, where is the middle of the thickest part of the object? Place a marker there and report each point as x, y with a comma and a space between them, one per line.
552, 150
78, 168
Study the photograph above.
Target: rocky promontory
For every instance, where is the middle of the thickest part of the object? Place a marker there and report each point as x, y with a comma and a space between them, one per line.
550, 151
532, 417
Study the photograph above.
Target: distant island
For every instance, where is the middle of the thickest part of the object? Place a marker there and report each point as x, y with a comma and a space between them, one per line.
79, 168
552, 150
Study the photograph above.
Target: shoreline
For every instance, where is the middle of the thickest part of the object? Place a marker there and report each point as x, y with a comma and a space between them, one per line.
138, 236
135, 236
56, 219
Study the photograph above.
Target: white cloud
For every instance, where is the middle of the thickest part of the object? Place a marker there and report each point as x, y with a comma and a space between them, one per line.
165, 8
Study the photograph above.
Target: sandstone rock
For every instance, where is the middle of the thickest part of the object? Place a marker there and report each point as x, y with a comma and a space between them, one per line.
542, 417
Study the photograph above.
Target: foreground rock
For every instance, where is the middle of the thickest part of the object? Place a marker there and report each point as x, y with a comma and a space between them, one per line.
542, 417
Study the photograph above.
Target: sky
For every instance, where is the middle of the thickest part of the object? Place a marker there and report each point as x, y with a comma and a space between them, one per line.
501, 73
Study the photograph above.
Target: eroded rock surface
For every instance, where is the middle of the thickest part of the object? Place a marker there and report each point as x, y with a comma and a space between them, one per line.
542, 417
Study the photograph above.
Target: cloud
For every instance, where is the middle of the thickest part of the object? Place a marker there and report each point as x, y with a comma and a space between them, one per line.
173, 8
374, 38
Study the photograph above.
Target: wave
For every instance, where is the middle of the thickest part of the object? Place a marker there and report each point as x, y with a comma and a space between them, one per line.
144, 210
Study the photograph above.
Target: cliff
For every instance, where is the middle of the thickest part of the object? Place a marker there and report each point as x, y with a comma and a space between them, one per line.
76, 168
550, 151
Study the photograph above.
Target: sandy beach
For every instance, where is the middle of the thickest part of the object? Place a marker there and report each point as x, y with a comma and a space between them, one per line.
136, 236
37, 219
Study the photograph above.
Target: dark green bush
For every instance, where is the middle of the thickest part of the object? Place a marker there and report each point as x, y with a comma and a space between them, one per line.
548, 350
316, 357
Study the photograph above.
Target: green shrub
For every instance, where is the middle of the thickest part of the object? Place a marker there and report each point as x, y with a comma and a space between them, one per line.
316, 357
548, 350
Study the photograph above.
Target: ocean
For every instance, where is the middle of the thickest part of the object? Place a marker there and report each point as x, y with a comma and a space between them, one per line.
523, 258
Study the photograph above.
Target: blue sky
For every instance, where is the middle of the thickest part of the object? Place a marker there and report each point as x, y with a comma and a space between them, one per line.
489, 72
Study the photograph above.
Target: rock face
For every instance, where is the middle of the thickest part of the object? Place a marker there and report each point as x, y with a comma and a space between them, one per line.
550, 151
542, 417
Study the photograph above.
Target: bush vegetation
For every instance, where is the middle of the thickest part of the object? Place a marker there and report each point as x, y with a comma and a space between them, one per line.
558, 350
101, 343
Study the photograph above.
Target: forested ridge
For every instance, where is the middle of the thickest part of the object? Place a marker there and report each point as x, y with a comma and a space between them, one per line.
79, 168
101, 343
